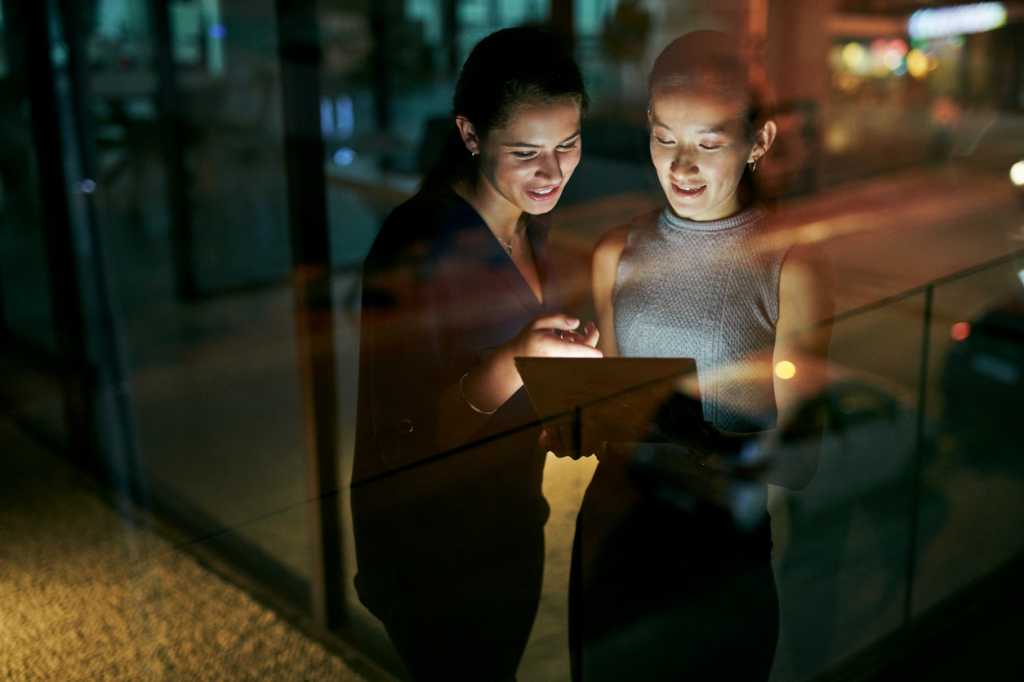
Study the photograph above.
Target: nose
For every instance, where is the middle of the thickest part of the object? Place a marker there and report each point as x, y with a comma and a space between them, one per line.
550, 167
684, 163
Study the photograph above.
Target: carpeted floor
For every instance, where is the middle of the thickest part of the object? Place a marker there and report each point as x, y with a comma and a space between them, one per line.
86, 595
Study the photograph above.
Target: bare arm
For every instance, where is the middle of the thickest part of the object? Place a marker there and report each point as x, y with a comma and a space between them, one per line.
605, 265
487, 386
800, 359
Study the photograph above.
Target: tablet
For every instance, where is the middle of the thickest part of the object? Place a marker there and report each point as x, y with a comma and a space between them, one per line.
604, 399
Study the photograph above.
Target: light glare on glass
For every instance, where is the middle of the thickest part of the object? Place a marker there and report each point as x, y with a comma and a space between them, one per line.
855, 57
344, 156
917, 63
1017, 174
954, 21
784, 369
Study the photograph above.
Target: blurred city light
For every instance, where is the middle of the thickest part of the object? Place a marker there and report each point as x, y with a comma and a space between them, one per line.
784, 369
855, 57
1017, 174
847, 82
917, 63
838, 139
960, 331
892, 59
958, 20
344, 156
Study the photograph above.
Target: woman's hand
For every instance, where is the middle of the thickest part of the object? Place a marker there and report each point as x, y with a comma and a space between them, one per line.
556, 336
492, 382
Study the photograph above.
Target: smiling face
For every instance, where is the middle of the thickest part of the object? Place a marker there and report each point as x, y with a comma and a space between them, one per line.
526, 163
699, 147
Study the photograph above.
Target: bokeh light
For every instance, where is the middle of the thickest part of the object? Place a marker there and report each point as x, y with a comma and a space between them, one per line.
917, 63
344, 156
784, 369
1017, 174
855, 57
975, 17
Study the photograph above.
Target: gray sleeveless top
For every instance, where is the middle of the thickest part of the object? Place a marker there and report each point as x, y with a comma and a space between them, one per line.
700, 289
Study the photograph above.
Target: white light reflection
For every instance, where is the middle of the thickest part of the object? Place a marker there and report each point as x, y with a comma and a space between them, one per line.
1017, 174
959, 20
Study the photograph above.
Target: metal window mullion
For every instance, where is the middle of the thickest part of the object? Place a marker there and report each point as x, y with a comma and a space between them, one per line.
172, 143
921, 447
300, 60
59, 238
114, 403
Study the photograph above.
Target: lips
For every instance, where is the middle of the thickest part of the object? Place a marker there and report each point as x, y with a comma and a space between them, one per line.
543, 193
688, 191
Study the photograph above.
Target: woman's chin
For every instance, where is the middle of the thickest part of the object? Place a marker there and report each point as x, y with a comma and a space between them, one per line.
539, 209
685, 212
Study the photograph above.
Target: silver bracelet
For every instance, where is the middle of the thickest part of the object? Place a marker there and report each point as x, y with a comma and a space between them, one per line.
473, 407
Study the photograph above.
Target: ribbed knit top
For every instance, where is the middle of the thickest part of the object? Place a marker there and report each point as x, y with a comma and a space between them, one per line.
701, 289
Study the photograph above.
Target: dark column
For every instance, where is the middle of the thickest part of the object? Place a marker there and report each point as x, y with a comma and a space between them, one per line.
384, 14
78, 379
299, 49
114, 410
450, 34
14, 85
172, 138
563, 19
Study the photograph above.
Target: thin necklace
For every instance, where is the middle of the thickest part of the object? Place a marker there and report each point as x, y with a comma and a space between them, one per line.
508, 244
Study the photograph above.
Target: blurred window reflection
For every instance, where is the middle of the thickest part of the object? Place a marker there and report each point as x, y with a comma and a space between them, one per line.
898, 162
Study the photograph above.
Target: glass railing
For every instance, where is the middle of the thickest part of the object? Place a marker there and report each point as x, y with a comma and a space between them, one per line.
919, 412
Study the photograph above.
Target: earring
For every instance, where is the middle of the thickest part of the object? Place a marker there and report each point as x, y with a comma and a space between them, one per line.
753, 165
474, 154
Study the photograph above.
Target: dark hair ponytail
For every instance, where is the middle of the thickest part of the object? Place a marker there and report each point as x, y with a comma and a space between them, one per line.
508, 68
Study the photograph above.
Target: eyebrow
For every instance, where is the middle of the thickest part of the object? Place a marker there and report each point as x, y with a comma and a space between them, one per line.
715, 128
538, 146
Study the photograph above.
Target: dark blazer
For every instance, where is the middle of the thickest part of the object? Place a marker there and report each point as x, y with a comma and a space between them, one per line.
438, 293
447, 502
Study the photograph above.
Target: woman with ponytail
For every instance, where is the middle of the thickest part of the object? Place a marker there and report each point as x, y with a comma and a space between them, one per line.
446, 489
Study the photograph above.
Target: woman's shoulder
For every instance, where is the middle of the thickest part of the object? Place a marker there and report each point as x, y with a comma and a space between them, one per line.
613, 242
414, 228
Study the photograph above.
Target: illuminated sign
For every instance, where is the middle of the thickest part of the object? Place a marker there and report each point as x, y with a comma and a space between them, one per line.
959, 20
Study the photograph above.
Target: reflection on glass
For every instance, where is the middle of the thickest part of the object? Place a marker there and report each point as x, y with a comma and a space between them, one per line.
663, 591
24, 285
213, 375
793, 506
